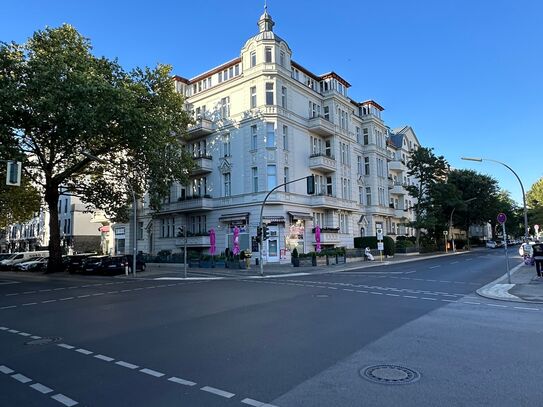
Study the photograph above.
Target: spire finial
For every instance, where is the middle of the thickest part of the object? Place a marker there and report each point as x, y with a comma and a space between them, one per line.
265, 5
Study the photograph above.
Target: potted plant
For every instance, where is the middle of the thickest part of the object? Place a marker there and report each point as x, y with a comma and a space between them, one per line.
294, 258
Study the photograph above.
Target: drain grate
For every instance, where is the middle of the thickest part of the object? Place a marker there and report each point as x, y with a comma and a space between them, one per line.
44, 341
390, 374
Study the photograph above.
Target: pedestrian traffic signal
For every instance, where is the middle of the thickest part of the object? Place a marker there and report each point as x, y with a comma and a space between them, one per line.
13, 177
266, 232
310, 185
258, 234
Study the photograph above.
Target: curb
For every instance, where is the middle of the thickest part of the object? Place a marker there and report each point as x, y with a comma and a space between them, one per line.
502, 294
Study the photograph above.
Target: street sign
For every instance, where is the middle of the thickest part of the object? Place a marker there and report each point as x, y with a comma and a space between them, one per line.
379, 234
445, 232
501, 218
380, 246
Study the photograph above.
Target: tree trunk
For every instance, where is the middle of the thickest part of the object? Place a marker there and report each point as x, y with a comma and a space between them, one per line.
55, 252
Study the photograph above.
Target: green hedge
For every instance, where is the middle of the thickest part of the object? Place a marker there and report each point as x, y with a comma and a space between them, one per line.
371, 242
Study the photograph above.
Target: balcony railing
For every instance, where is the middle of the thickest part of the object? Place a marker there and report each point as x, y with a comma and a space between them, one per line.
188, 204
322, 162
204, 165
397, 165
203, 127
319, 125
398, 189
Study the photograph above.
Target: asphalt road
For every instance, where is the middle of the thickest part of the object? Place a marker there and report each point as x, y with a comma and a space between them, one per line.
289, 341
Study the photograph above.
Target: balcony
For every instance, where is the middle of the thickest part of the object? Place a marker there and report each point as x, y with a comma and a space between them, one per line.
189, 204
390, 183
327, 238
203, 127
319, 125
400, 213
204, 165
398, 189
193, 241
331, 202
397, 165
322, 162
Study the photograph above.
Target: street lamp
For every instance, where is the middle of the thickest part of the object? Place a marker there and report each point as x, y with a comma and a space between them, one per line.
134, 210
450, 224
478, 159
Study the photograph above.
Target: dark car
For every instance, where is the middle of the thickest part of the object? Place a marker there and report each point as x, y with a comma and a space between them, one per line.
140, 262
105, 264
75, 262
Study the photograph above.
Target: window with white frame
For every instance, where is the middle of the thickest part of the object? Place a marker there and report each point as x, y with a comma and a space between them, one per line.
272, 176
282, 58
366, 136
284, 97
254, 172
227, 181
269, 93
343, 223
254, 137
268, 54
358, 140
253, 96
381, 196
286, 178
318, 219
368, 196
226, 145
270, 135
359, 165
361, 195
366, 166
326, 111
225, 107
167, 227
329, 186
253, 58
285, 137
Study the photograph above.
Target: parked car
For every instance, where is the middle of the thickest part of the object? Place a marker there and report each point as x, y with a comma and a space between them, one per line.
140, 262
16, 258
105, 264
75, 262
34, 264
4, 256
491, 244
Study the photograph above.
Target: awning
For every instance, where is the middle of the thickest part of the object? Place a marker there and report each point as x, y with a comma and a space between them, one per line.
300, 215
277, 219
231, 217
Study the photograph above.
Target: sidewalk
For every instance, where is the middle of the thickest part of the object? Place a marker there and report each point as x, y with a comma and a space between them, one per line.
524, 287
272, 270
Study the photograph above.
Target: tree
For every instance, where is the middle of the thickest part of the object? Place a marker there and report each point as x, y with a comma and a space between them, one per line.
534, 200
428, 170
59, 103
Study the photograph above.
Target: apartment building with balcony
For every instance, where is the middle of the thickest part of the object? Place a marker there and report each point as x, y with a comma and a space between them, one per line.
263, 119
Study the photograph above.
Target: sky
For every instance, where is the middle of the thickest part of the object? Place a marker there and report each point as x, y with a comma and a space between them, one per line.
466, 75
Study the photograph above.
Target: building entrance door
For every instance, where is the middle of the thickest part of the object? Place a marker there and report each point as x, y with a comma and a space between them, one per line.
273, 245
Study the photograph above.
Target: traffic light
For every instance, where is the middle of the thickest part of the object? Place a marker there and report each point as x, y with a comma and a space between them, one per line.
266, 232
258, 234
180, 231
310, 184
13, 177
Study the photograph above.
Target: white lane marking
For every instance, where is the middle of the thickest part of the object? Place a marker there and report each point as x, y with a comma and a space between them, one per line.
35, 337
526, 308
5, 369
9, 306
47, 301
126, 364
3, 328
376, 293
218, 392
468, 259
65, 346
434, 267
152, 372
96, 294
83, 296
448, 300
29, 292
181, 381
410, 296
454, 262
471, 302
29, 303
60, 288
41, 388
66, 299
392, 295
9, 295
46, 290
429, 299
61, 398
104, 358
362, 291
497, 305
125, 291
24, 334
112, 292
13, 331
256, 403
348, 289
21, 378
84, 351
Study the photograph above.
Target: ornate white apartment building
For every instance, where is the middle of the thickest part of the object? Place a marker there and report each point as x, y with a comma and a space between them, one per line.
263, 119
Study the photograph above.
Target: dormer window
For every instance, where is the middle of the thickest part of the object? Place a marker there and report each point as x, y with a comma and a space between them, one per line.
253, 58
268, 54
282, 58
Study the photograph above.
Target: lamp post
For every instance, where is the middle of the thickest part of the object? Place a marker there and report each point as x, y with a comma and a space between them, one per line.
478, 159
450, 224
134, 210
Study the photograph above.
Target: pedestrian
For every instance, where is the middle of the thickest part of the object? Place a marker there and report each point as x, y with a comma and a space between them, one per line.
537, 250
368, 255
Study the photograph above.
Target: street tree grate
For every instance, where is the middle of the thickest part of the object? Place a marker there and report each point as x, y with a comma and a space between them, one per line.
44, 341
389, 374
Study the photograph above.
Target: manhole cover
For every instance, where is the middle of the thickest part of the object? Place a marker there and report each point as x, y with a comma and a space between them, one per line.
390, 374
43, 341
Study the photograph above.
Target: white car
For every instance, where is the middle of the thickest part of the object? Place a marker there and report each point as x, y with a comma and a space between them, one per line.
491, 244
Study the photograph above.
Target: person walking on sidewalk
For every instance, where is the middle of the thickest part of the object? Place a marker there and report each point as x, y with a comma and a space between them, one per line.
538, 258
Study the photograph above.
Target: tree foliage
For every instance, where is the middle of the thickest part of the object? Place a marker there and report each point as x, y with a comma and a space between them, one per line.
428, 169
59, 103
534, 200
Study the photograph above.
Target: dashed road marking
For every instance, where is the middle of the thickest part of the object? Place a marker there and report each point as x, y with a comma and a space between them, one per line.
181, 381
6, 370
256, 403
126, 364
41, 388
151, 372
218, 392
104, 358
61, 398
21, 378
65, 346
84, 351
